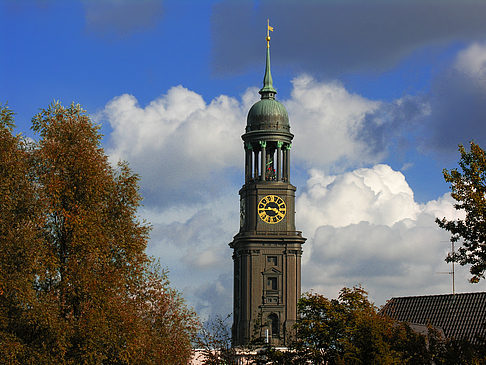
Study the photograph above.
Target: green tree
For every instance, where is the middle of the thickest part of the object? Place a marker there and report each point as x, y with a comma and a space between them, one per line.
453, 351
468, 188
349, 330
96, 296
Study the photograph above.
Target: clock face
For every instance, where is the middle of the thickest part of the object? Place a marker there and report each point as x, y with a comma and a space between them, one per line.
272, 209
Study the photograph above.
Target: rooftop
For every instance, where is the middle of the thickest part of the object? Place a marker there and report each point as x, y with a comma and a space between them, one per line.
460, 316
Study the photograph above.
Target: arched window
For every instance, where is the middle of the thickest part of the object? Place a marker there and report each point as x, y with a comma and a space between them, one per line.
274, 324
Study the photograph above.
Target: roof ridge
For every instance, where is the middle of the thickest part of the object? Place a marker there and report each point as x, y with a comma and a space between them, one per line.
440, 295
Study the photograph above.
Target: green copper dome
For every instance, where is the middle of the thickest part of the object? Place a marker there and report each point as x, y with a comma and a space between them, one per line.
268, 113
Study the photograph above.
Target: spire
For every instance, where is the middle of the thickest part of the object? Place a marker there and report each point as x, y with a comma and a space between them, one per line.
267, 91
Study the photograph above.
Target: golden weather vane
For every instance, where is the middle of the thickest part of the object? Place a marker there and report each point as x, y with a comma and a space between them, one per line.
269, 29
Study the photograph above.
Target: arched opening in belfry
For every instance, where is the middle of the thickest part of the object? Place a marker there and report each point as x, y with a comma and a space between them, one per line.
267, 161
270, 172
274, 325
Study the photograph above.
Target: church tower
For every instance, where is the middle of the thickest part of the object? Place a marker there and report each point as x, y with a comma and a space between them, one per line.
267, 250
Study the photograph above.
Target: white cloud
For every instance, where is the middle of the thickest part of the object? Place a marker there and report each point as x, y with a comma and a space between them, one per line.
327, 120
364, 227
378, 195
198, 235
472, 62
179, 144
443, 207
215, 297
187, 149
190, 158
191, 240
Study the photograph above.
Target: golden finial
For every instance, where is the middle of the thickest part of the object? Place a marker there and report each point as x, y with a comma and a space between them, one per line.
269, 29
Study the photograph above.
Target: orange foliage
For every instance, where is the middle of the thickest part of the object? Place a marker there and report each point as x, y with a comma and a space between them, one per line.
79, 287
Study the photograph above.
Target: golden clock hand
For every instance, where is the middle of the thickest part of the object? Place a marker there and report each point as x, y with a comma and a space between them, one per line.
273, 209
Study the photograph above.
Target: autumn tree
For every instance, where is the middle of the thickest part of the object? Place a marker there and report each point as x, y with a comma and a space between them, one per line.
351, 330
96, 296
452, 351
344, 330
348, 330
468, 188
21, 249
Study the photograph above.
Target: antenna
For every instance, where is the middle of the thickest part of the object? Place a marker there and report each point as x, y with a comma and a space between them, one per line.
453, 270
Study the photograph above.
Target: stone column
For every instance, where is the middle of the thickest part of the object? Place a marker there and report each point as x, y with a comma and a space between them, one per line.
287, 161
263, 144
279, 153
284, 164
246, 164
255, 165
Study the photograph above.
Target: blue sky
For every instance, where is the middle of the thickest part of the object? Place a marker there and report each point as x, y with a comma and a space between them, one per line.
379, 94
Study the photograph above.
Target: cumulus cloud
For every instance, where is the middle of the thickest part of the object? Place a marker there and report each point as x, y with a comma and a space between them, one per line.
340, 129
363, 224
472, 62
335, 37
190, 157
216, 297
180, 144
327, 120
201, 235
396, 260
188, 149
457, 106
364, 227
191, 240
376, 195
